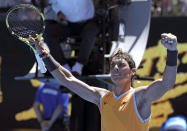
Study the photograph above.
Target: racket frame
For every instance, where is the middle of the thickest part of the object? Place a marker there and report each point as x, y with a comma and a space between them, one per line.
25, 40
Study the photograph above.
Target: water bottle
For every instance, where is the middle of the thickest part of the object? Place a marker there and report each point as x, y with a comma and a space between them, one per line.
121, 32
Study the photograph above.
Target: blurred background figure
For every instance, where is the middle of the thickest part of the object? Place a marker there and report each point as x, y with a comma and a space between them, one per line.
157, 8
169, 8
176, 123
183, 7
62, 21
55, 31
9, 3
54, 116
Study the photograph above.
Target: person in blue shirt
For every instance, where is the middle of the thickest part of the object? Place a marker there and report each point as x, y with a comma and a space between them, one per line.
55, 108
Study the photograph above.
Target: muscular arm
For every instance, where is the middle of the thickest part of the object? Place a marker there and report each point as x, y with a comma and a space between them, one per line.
85, 91
158, 88
146, 95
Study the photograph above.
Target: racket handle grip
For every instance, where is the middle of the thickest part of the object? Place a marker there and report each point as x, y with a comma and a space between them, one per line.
40, 63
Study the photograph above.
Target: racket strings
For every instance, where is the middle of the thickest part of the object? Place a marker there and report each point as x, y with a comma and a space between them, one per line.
25, 21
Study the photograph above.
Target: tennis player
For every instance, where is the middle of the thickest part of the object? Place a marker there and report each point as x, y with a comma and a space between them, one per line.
125, 108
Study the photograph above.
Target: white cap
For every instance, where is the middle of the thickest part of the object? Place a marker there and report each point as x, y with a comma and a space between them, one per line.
177, 123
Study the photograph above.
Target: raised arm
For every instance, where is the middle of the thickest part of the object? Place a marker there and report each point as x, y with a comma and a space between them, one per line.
159, 87
85, 91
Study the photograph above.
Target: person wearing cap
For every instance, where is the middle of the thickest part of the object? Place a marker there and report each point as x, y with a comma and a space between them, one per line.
175, 123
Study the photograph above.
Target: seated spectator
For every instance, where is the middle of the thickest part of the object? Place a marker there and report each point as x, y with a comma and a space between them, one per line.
54, 33
78, 14
9, 3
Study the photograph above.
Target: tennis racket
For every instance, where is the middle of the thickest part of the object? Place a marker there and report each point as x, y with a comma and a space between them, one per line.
26, 20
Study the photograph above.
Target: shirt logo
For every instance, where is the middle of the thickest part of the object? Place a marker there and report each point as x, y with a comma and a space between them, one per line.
122, 106
50, 91
124, 102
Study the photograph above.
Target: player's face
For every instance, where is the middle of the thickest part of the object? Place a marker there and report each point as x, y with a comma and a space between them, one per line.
120, 70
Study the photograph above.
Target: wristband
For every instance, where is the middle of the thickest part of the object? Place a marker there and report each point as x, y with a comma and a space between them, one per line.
51, 63
42, 55
172, 58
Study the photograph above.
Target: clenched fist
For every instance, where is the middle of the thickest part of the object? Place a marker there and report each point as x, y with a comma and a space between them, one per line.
169, 41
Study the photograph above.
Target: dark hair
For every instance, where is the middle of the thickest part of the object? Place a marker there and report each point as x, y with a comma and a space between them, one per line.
120, 54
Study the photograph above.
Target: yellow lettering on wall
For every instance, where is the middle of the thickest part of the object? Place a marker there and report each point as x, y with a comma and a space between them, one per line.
159, 52
175, 92
30, 113
27, 114
160, 113
35, 83
150, 55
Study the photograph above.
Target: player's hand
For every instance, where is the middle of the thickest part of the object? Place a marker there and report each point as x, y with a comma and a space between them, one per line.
39, 44
45, 125
169, 41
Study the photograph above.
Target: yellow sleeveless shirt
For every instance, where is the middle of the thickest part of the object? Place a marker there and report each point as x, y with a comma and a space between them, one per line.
121, 114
